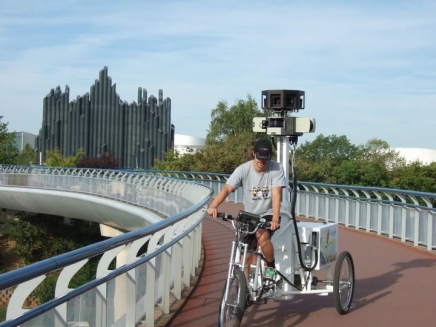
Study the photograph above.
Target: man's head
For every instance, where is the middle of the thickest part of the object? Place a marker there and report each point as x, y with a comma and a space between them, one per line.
263, 150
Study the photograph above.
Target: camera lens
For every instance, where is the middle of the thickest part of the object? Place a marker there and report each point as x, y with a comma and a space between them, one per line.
290, 101
276, 122
276, 100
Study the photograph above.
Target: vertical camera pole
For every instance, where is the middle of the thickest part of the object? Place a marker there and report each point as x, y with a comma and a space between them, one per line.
283, 158
281, 125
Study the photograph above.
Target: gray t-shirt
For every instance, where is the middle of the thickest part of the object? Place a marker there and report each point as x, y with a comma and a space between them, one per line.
258, 186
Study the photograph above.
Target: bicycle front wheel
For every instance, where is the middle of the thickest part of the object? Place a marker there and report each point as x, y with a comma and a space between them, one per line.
232, 310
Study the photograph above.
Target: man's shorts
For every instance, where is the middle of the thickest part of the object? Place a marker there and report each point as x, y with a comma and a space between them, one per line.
251, 240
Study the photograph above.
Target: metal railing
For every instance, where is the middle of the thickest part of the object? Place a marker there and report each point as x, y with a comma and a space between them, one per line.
127, 295
406, 215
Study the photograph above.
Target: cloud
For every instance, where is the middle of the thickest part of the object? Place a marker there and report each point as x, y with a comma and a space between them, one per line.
360, 61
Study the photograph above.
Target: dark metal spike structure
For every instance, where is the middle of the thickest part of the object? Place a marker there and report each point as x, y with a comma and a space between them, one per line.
100, 121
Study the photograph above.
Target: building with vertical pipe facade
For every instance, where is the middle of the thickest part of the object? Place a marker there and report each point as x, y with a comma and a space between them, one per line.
100, 122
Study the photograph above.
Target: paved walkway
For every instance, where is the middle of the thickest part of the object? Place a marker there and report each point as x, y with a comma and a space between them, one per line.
394, 286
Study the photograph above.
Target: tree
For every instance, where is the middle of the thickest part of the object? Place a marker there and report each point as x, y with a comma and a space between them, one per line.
234, 121
328, 159
415, 176
221, 157
361, 172
27, 157
370, 165
229, 141
106, 161
332, 147
318, 160
8, 148
39, 236
55, 159
376, 150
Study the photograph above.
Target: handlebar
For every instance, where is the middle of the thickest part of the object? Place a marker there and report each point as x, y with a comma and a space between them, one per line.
246, 219
225, 216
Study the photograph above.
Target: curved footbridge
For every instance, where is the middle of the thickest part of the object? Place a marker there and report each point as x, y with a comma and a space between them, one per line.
159, 224
115, 217
157, 248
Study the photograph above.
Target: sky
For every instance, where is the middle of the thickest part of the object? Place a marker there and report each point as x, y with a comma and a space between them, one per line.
368, 68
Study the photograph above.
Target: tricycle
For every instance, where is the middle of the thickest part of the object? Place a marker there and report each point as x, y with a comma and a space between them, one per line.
314, 248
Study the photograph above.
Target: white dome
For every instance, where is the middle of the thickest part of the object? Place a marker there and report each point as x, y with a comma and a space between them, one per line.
180, 139
425, 156
188, 144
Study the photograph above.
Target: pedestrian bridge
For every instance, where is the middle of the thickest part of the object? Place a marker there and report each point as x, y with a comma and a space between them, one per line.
164, 212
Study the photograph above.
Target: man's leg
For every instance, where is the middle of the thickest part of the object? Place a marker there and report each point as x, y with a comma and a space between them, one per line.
267, 247
251, 241
248, 261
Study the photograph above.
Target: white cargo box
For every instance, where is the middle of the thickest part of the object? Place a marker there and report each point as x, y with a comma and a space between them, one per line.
322, 236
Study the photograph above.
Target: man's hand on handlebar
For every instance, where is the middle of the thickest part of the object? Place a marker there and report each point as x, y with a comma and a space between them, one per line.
274, 225
212, 211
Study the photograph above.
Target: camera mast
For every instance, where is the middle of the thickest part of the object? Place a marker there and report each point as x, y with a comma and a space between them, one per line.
282, 126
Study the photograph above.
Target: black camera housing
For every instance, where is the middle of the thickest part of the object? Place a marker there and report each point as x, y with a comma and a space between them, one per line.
283, 100
246, 217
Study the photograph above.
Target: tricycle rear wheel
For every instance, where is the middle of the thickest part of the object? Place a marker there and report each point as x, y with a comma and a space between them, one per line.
343, 283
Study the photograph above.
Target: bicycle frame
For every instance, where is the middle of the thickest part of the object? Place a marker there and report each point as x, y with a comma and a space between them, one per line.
238, 257
235, 259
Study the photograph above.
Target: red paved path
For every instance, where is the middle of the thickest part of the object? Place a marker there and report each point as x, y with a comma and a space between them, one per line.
394, 286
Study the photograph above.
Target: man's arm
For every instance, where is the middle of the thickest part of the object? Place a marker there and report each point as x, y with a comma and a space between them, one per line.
222, 195
276, 202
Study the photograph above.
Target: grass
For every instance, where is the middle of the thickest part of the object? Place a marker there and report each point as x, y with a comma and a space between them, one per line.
2, 314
